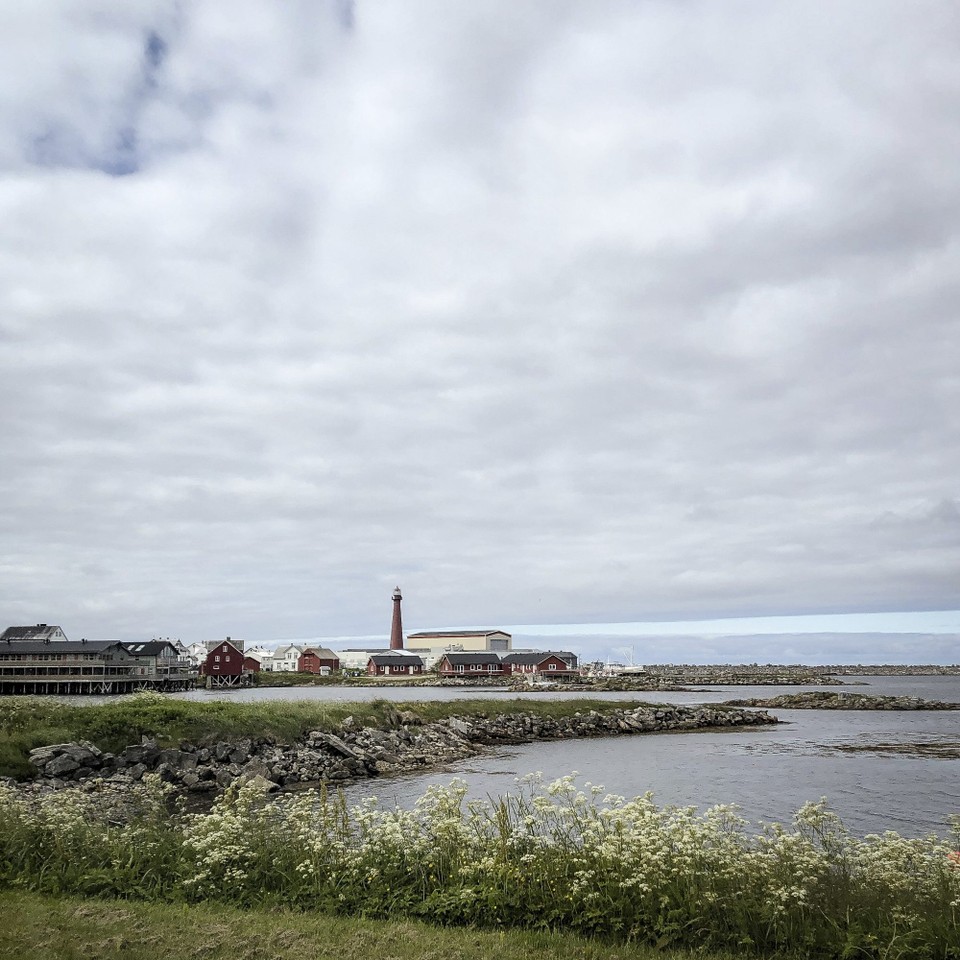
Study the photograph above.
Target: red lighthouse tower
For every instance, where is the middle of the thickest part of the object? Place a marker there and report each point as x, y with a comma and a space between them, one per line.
396, 628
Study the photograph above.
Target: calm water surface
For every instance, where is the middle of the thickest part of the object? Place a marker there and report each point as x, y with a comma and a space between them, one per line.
769, 772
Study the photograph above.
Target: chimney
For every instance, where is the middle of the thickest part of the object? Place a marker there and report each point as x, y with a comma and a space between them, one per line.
396, 628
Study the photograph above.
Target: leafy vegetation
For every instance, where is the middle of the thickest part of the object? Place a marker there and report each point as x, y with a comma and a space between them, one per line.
552, 857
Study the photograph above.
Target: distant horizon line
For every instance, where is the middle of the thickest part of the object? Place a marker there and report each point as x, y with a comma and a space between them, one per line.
917, 623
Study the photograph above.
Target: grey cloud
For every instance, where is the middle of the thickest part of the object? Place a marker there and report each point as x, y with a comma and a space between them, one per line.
551, 313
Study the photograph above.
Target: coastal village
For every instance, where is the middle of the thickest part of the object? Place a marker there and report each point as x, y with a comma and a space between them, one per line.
41, 659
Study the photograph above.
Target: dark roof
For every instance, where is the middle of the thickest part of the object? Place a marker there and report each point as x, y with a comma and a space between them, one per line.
540, 655
35, 632
220, 643
387, 659
149, 648
454, 633
57, 646
465, 658
323, 653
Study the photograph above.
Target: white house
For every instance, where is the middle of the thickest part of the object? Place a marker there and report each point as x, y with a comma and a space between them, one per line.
197, 652
262, 654
285, 658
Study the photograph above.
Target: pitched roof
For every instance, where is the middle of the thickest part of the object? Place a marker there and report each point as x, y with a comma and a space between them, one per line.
392, 659
221, 643
285, 648
454, 633
322, 653
37, 631
539, 656
455, 659
149, 648
58, 646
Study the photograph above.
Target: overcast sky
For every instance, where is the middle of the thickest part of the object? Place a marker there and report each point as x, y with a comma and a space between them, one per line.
550, 312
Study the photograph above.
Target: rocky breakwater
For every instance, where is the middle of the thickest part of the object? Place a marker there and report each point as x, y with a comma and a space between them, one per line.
588, 686
823, 700
356, 752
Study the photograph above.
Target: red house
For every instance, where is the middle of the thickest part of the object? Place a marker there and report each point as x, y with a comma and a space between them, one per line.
318, 660
560, 664
392, 664
224, 664
470, 665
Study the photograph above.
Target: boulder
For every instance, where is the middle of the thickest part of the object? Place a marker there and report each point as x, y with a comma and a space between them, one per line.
260, 784
60, 765
335, 744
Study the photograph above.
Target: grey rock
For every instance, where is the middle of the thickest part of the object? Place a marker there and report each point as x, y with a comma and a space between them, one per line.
460, 726
335, 744
261, 784
42, 755
142, 754
166, 772
60, 765
255, 768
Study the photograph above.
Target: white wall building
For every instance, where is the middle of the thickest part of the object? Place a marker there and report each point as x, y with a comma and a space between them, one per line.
261, 654
432, 644
285, 658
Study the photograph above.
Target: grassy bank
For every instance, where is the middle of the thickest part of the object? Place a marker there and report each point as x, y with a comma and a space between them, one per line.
269, 678
53, 928
28, 722
550, 857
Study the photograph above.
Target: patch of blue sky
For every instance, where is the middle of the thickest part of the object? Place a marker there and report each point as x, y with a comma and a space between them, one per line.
62, 146
118, 153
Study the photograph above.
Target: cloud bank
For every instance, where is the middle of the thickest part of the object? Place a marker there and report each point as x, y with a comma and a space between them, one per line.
547, 312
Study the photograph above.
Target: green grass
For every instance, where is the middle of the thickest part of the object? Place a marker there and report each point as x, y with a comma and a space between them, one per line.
28, 722
269, 678
69, 928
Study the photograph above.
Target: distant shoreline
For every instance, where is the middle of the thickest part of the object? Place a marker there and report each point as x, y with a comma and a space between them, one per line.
657, 677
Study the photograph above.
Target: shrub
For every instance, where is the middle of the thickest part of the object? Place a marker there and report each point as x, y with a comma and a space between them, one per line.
550, 856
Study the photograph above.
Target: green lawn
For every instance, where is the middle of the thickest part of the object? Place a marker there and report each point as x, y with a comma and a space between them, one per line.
47, 928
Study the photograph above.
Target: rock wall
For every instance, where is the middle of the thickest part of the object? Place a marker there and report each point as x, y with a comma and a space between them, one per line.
822, 700
356, 752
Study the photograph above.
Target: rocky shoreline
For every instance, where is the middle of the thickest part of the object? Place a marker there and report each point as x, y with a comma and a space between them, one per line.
355, 752
588, 686
824, 700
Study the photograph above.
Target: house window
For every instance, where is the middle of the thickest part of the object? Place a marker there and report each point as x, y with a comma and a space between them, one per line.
224, 648
217, 658
227, 659
551, 666
459, 668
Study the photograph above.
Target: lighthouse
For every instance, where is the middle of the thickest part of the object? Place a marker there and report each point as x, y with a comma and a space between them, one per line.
396, 628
